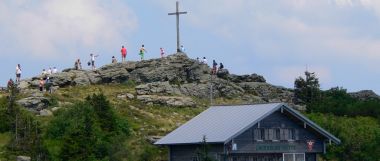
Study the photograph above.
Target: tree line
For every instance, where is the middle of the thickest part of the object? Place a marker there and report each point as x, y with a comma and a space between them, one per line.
89, 130
356, 122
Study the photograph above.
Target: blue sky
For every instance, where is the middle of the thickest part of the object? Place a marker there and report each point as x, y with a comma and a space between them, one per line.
337, 39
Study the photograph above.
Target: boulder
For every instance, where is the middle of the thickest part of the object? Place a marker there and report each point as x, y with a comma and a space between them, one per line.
34, 103
221, 88
114, 73
23, 85
246, 78
55, 109
164, 88
153, 139
173, 101
23, 158
222, 73
130, 96
46, 112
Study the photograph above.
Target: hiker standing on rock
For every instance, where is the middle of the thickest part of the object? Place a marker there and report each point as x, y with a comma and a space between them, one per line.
142, 52
18, 73
93, 60
78, 65
214, 64
49, 71
114, 60
162, 52
48, 85
204, 60
41, 84
221, 66
123, 53
55, 70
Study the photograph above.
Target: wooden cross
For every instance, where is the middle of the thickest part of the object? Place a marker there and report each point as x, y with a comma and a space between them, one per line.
177, 13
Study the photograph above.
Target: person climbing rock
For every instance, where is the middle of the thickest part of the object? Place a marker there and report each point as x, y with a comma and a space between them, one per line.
123, 53
142, 52
48, 85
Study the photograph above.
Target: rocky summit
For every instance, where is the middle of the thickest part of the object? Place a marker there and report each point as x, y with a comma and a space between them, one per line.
174, 80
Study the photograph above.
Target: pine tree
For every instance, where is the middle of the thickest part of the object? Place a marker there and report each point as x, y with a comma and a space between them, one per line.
203, 152
307, 90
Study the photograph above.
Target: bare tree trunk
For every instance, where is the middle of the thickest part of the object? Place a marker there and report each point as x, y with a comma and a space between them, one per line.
16, 134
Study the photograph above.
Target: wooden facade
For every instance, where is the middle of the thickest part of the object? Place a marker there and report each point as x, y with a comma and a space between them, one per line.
278, 137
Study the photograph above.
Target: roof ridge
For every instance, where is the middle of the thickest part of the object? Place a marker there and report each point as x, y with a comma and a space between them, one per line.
247, 104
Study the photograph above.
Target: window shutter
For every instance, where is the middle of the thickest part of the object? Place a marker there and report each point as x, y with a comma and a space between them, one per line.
286, 134
282, 132
297, 134
271, 134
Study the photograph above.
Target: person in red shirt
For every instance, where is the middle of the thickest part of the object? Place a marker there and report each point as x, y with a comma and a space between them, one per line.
123, 53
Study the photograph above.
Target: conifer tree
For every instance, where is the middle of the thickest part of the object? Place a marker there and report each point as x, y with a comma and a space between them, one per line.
307, 90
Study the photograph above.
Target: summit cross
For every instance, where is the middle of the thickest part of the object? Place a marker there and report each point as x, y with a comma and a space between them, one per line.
177, 13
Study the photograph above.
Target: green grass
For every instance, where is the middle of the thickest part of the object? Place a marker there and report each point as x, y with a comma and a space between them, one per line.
4, 139
144, 120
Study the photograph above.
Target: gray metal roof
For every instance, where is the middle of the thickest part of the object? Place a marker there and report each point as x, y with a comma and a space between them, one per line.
220, 124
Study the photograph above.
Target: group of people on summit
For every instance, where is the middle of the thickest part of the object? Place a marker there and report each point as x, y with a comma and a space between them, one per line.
45, 82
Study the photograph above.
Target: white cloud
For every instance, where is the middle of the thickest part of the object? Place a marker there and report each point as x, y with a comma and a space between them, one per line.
55, 27
313, 26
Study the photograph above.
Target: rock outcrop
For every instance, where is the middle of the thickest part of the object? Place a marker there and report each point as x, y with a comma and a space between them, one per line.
173, 80
174, 101
364, 95
34, 104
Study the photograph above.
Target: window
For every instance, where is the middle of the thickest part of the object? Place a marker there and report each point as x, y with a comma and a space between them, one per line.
275, 134
294, 157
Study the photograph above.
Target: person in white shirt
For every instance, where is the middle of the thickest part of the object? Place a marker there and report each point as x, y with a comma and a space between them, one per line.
43, 72
93, 61
18, 73
204, 60
55, 70
49, 71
